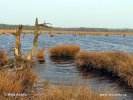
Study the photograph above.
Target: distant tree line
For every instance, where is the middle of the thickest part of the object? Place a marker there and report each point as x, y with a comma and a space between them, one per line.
12, 27
95, 29
29, 27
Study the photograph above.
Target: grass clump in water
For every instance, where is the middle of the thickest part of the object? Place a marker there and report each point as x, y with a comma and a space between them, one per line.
40, 56
64, 51
117, 63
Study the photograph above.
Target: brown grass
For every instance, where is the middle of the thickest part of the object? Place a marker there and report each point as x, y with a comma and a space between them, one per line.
116, 63
23, 81
64, 51
3, 58
73, 92
40, 55
20, 82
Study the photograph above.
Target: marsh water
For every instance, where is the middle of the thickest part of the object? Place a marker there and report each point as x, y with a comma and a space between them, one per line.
59, 71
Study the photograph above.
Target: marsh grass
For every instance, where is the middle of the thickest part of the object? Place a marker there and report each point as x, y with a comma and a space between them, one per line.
112, 63
23, 82
72, 92
40, 56
27, 77
19, 82
64, 51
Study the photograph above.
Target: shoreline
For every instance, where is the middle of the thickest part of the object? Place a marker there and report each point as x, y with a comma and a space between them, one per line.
68, 32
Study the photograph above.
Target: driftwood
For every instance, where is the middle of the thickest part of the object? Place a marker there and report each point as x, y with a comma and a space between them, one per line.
25, 62
36, 35
35, 42
17, 48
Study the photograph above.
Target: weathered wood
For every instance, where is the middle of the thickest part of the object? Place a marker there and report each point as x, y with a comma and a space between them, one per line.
17, 47
36, 35
35, 42
25, 62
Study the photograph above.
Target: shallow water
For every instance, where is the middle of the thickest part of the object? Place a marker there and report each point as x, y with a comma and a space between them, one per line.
87, 42
65, 71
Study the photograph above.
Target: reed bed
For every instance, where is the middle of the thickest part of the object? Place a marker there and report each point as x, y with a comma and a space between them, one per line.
113, 63
40, 55
71, 92
64, 51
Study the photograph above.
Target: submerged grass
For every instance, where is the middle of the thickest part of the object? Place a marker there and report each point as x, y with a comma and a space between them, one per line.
114, 63
64, 51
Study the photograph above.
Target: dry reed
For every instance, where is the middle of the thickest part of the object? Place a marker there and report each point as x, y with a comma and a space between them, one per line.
19, 82
117, 63
64, 51
40, 55
73, 92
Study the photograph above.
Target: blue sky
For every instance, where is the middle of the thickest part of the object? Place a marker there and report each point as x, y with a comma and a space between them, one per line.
69, 13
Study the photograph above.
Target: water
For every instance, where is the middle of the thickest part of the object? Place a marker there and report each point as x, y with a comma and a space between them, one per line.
87, 42
65, 71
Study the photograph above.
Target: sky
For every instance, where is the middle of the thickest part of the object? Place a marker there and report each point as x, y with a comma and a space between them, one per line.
69, 13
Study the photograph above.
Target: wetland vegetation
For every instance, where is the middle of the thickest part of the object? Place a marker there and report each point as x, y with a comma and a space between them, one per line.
19, 74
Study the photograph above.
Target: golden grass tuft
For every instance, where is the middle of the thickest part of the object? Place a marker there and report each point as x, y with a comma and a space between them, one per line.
117, 63
3, 58
64, 51
73, 92
19, 82
8, 84
40, 55
27, 77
